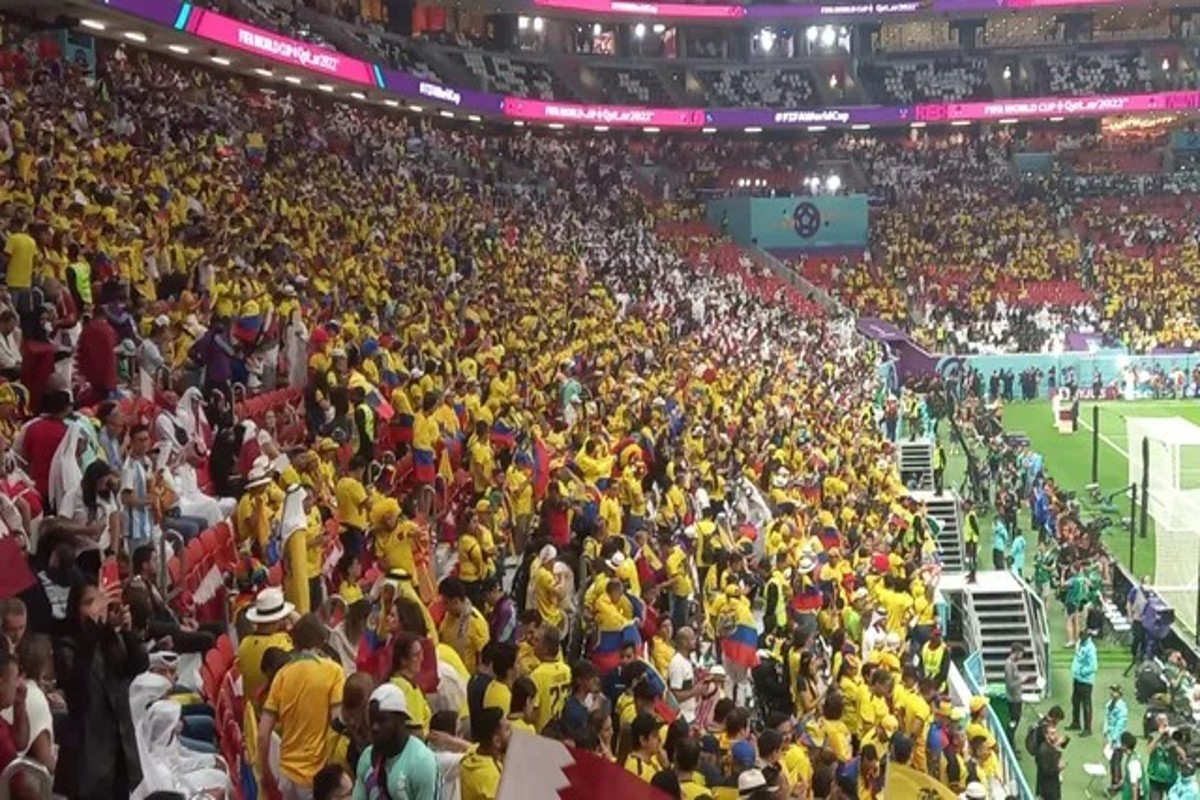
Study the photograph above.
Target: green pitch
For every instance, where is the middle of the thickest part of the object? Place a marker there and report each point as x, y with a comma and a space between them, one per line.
1069, 459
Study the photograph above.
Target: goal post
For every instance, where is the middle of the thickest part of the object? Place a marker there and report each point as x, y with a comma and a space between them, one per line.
1169, 448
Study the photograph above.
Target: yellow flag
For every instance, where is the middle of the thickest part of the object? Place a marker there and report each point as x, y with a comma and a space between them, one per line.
905, 783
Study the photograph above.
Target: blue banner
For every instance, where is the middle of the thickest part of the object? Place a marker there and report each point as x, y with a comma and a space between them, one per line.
793, 223
1034, 163
1185, 141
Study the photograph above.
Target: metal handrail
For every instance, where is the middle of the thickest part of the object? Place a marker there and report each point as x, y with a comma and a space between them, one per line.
35, 770
1013, 774
1039, 627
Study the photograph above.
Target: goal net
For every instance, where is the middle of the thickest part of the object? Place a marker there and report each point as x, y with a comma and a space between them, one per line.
1171, 448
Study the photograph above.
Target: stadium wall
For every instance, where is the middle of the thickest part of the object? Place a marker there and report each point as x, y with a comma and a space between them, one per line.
793, 223
1111, 366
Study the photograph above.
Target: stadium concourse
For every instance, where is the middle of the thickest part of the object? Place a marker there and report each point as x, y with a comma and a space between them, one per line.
345, 450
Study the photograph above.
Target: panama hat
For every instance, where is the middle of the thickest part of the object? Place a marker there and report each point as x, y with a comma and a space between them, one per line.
270, 606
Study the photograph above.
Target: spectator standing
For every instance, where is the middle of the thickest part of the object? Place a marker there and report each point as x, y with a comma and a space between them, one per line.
397, 764
484, 761
1116, 720
464, 627
304, 699
1135, 785
269, 618
1050, 766
681, 674
1014, 689
1135, 607
1083, 677
95, 663
1163, 760
136, 497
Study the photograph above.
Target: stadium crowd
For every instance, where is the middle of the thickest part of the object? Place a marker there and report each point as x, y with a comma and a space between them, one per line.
467, 455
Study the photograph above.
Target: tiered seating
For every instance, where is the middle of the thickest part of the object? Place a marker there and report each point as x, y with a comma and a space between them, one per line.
1021, 30
499, 73
634, 87
770, 88
1097, 73
943, 80
917, 36
396, 54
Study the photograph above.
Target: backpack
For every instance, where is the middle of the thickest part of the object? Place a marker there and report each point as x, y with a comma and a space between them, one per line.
1033, 737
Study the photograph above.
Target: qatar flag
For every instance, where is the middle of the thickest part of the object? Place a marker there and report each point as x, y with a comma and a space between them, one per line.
537, 768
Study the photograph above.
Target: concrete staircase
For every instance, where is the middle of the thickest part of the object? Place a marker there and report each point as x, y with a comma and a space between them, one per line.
1002, 609
915, 459
947, 511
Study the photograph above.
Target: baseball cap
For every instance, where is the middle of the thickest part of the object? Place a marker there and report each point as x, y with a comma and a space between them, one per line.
390, 698
742, 752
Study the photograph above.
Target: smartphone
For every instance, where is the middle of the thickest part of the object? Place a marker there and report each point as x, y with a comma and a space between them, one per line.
110, 574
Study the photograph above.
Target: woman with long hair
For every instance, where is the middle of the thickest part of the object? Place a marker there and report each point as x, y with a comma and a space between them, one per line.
95, 663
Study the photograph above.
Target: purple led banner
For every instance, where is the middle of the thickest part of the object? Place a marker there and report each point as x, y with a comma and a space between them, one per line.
808, 117
422, 89
164, 12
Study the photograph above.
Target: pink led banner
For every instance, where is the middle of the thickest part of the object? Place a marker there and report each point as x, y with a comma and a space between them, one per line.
620, 7
579, 114
1047, 107
272, 46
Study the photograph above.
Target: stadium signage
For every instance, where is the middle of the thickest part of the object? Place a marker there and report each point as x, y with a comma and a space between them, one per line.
216, 28
626, 8
439, 92
223, 30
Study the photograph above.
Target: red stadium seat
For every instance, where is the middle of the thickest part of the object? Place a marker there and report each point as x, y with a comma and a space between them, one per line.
209, 685
225, 646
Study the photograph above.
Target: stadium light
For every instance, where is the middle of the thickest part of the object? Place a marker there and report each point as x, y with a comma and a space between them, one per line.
597, 29
766, 39
94, 24
833, 183
522, 23
660, 29
475, 118
708, 130
650, 129
135, 36
817, 128
828, 36
520, 123
860, 127
447, 114
960, 123
538, 24
178, 48
639, 30
811, 34
266, 73
295, 81
556, 126
391, 103
358, 95
325, 87
753, 129
224, 62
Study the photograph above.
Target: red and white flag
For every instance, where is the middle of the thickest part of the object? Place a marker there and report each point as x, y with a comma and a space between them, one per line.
537, 768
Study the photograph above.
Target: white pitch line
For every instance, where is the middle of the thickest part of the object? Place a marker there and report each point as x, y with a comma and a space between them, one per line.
1124, 453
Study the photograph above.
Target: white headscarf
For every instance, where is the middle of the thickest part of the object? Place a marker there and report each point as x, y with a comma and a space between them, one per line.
191, 416
65, 471
166, 765
295, 518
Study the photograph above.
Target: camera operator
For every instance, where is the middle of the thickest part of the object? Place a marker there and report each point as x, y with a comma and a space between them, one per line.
1163, 758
